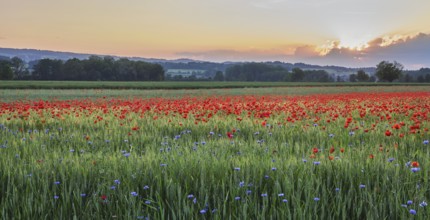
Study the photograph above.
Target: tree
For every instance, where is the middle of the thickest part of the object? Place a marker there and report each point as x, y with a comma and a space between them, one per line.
353, 78
18, 67
362, 76
219, 76
408, 78
73, 69
421, 79
297, 75
47, 69
6, 72
427, 78
387, 71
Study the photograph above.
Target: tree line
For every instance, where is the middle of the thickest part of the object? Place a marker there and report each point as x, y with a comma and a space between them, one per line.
109, 69
266, 72
94, 68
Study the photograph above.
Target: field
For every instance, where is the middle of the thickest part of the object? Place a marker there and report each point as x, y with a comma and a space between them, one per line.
256, 153
179, 85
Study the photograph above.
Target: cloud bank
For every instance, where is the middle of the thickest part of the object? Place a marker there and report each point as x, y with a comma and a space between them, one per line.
412, 51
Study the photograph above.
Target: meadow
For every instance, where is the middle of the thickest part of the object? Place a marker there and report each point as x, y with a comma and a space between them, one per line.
175, 85
265, 153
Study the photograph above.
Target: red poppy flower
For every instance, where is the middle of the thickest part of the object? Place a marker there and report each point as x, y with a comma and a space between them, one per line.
342, 150
229, 135
371, 156
331, 149
103, 197
415, 164
315, 150
387, 133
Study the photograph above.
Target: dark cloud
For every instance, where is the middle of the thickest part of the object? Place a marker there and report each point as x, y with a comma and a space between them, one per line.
412, 52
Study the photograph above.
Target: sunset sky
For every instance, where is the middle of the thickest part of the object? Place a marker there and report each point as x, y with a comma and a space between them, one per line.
327, 32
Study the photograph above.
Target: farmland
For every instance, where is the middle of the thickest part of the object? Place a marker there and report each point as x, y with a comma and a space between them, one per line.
280, 153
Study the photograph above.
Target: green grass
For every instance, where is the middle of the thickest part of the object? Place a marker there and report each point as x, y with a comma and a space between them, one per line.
174, 85
86, 155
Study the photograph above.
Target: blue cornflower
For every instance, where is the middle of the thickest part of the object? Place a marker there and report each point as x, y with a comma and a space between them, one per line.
362, 186
177, 137
351, 133
57, 182
56, 197
133, 193
317, 163
83, 194
266, 177
337, 189
211, 133
237, 168
195, 200
203, 211
113, 187
147, 202
409, 202
426, 142
316, 199
415, 169
391, 159
127, 154
412, 211
284, 201
248, 192
274, 168
146, 187
404, 205
315, 125
214, 210
117, 182
331, 135
264, 195
304, 160
281, 194
72, 150
190, 196
203, 142
241, 184
163, 165
423, 204
237, 198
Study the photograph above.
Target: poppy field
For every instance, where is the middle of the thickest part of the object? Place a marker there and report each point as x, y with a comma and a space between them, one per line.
348, 155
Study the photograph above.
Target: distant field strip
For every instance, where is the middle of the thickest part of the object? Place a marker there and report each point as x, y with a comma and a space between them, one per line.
177, 85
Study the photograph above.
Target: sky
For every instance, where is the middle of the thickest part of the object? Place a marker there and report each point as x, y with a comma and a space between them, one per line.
354, 33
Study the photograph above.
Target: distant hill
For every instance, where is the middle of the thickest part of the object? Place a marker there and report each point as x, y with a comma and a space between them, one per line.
31, 55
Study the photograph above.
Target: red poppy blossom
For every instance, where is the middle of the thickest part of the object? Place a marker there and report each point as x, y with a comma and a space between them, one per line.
387, 133
315, 150
415, 164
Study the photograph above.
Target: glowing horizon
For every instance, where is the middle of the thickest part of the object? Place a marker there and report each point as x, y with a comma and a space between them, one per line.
240, 30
